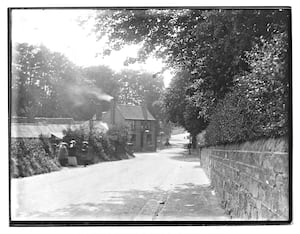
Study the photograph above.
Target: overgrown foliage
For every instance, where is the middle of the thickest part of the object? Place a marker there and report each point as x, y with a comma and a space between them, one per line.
29, 157
258, 105
118, 138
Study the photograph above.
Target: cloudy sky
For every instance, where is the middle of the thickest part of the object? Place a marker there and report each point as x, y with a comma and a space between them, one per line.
59, 31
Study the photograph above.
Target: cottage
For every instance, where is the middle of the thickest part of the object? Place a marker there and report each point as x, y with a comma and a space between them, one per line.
142, 125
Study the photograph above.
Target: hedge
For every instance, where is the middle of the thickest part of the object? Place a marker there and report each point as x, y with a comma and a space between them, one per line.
30, 157
258, 106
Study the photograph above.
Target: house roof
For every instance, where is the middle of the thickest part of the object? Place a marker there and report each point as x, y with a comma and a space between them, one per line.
135, 112
98, 126
18, 119
34, 130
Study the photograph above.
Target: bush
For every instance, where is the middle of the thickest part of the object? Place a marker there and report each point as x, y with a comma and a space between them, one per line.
118, 138
29, 157
258, 107
79, 135
97, 149
102, 146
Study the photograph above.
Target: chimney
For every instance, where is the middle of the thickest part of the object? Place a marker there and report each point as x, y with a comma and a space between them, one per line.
113, 111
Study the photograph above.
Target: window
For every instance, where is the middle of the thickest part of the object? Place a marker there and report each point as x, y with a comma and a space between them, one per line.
133, 138
149, 139
146, 125
132, 125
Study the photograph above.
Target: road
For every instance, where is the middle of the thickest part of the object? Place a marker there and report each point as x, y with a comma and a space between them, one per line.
165, 185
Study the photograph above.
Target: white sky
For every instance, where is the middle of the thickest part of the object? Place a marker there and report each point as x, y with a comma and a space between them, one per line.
59, 31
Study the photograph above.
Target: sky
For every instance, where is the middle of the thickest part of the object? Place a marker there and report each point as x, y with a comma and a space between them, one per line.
59, 31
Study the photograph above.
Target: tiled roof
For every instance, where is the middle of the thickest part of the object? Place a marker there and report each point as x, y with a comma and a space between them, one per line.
135, 112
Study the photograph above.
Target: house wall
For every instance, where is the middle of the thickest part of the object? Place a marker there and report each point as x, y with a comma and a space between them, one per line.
142, 136
251, 179
139, 136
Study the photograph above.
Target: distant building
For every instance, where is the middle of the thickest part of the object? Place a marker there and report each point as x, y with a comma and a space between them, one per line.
141, 123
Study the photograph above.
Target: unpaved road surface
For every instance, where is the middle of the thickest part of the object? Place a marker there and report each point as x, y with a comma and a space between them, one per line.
165, 185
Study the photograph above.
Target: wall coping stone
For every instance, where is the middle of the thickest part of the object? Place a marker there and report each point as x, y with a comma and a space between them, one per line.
255, 152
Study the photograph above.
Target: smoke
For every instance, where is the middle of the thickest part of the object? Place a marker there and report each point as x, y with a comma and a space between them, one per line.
99, 94
79, 94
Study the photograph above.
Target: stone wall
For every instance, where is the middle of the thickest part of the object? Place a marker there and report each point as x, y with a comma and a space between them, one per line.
251, 179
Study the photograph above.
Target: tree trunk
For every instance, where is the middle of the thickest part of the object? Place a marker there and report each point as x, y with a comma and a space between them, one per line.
194, 141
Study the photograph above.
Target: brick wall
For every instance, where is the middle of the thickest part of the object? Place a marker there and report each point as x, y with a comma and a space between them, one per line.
250, 179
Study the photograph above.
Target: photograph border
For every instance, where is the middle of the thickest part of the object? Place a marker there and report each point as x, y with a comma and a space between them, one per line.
14, 223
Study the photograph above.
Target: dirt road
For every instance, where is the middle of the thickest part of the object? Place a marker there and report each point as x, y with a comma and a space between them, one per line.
165, 185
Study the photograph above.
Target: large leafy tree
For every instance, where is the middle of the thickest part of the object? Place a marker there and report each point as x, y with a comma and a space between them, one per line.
46, 83
210, 45
39, 78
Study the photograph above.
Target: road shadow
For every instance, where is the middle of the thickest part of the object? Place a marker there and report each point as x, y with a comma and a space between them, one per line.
184, 202
186, 157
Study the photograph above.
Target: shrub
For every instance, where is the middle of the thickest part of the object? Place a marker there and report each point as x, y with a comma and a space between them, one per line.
118, 138
28, 157
96, 146
102, 146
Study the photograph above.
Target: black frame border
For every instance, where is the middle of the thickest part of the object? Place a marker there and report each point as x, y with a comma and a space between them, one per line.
13, 223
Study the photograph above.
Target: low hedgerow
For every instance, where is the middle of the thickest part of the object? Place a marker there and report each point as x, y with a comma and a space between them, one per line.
29, 157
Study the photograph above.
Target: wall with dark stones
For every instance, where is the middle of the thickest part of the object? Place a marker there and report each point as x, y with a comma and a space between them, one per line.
251, 179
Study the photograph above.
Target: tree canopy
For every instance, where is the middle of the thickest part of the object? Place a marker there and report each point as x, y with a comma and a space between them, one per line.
47, 84
210, 46
140, 88
39, 81
258, 106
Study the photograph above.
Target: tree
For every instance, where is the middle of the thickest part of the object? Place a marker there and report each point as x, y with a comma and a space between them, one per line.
140, 87
103, 81
180, 108
258, 105
38, 80
47, 84
210, 45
